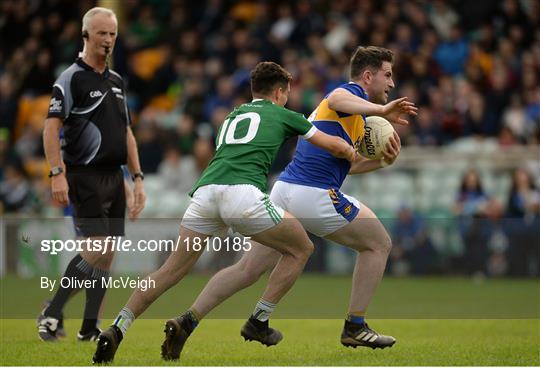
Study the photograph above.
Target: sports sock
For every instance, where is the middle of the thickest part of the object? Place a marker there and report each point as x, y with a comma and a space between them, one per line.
263, 310
124, 319
356, 317
78, 268
259, 324
94, 298
193, 317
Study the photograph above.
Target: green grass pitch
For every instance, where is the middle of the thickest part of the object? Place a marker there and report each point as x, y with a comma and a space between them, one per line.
437, 321
307, 342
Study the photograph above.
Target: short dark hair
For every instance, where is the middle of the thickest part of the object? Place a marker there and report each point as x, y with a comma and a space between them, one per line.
266, 75
369, 57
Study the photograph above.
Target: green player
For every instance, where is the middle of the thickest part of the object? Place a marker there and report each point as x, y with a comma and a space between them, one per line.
232, 194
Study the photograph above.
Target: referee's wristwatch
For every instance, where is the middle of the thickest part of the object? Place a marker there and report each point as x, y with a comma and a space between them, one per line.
137, 175
55, 171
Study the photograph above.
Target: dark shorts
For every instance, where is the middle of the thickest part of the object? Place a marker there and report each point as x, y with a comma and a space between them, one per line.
98, 200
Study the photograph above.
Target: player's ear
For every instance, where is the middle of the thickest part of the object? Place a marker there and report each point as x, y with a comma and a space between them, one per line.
367, 75
277, 92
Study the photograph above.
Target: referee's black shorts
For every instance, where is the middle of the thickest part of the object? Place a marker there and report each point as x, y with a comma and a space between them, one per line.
98, 199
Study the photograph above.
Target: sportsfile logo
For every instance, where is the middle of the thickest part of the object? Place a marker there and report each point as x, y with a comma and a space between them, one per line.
95, 94
55, 105
120, 244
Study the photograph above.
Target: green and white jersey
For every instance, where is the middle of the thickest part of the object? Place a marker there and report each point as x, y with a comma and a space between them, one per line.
248, 142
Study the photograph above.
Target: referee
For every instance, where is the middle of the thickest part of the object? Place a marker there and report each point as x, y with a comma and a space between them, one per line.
89, 103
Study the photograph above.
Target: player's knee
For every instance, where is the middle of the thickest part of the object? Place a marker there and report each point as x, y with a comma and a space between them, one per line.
305, 250
385, 243
380, 244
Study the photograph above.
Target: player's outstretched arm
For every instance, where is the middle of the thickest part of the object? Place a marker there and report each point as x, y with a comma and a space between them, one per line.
337, 146
344, 101
363, 165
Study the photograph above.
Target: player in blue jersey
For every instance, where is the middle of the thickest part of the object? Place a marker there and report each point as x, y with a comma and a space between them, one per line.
309, 188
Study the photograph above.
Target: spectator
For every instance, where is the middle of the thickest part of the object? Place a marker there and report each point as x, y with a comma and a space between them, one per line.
453, 53
412, 248
427, 131
496, 98
223, 97
203, 151
497, 263
476, 122
185, 132
68, 43
516, 120
532, 111
4, 154
145, 30
470, 208
284, 25
177, 172
40, 78
150, 147
8, 102
16, 193
443, 19
523, 213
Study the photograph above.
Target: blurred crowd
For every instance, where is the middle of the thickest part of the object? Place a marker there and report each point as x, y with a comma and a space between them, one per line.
471, 66
496, 238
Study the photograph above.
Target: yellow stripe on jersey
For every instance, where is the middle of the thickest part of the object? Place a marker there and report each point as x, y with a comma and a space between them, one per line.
353, 125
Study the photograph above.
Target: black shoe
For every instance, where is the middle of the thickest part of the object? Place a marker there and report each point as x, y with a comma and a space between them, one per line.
89, 336
47, 328
255, 330
354, 335
107, 344
60, 331
177, 331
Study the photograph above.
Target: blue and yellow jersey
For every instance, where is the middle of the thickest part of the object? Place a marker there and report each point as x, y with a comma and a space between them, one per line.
315, 167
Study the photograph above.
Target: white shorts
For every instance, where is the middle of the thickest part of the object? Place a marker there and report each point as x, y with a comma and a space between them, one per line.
243, 207
321, 211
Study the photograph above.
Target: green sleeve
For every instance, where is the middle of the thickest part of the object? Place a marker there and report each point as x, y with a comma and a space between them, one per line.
297, 124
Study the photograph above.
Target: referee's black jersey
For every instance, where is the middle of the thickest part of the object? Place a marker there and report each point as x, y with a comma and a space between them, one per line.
94, 109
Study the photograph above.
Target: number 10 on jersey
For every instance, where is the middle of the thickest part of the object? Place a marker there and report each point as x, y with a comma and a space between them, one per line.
230, 125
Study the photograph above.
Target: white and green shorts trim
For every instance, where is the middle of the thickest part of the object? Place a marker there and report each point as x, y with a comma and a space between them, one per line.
243, 207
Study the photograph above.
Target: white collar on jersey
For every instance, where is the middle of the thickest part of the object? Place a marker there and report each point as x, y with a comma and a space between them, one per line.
258, 99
